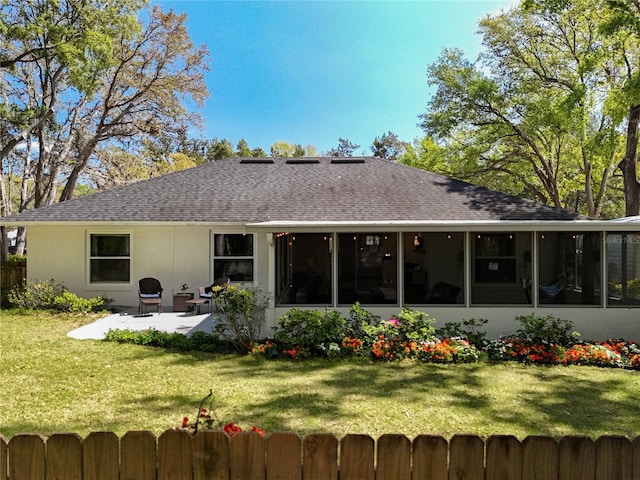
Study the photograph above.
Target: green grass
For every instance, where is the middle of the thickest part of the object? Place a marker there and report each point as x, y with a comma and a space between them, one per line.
51, 383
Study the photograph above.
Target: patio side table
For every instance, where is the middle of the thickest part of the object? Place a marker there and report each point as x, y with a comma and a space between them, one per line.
180, 302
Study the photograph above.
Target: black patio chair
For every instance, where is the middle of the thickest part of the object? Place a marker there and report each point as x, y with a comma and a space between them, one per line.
149, 294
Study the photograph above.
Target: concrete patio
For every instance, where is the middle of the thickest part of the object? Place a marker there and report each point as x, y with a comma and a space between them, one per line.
180, 322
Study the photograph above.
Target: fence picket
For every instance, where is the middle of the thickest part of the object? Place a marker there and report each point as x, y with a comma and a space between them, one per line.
211, 456
357, 457
614, 458
504, 458
466, 457
64, 457
430, 457
246, 456
138, 456
284, 456
175, 455
540, 458
320, 457
26, 454
636, 457
393, 458
577, 459
4, 461
101, 456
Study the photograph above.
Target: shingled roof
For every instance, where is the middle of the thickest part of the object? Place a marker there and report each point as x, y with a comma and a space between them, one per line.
255, 190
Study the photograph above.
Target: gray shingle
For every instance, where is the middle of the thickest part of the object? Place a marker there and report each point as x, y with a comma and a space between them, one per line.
360, 189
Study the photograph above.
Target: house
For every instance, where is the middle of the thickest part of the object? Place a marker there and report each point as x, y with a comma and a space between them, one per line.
327, 232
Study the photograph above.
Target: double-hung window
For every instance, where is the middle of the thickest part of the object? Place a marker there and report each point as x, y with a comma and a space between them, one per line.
109, 258
233, 256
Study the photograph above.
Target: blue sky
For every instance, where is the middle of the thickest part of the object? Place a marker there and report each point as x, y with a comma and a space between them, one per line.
311, 72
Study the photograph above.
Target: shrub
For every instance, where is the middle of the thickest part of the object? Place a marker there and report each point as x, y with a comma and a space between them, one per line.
37, 295
309, 329
468, 330
70, 302
358, 320
415, 326
547, 330
199, 341
449, 350
48, 295
242, 316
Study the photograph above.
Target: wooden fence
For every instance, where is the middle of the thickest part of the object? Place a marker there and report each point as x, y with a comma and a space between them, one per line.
11, 275
211, 455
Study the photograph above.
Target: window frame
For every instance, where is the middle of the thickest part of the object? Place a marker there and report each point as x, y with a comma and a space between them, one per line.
251, 257
89, 258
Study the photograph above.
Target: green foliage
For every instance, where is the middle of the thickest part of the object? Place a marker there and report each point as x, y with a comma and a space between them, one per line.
48, 295
36, 295
415, 326
199, 341
243, 311
548, 330
470, 330
359, 319
310, 328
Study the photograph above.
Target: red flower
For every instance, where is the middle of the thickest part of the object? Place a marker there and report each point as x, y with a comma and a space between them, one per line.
185, 422
232, 429
258, 430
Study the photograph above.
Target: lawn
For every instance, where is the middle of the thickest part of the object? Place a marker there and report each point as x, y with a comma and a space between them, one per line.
51, 383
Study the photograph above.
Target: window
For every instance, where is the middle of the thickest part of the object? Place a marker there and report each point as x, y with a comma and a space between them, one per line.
433, 268
501, 268
233, 256
367, 268
303, 268
110, 258
623, 268
569, 268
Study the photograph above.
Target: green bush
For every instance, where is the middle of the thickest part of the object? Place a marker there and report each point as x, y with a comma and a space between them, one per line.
199, 341
310, 328
243, 311
469, 330
37, 295
359, 320
548, 330
70, 302
48, 295
415, 326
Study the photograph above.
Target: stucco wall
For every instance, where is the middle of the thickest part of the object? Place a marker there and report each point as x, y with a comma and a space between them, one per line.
182, 254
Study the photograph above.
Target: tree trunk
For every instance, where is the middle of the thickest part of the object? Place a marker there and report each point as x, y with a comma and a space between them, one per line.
628, 165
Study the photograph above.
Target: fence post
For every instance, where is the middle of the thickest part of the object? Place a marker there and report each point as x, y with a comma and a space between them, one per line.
430, 457
357, 457
577, 459
393, 458
614, 458
211, 456
138, 456
64, 457
284, 456
504, 458
320, 457
540, 458
26, 454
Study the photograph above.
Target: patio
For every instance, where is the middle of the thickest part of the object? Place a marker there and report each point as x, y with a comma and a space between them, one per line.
170, 322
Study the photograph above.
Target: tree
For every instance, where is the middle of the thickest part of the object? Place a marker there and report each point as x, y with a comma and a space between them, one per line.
139, 97
345, 148
284, 149
388, 146
242, 149
538, 112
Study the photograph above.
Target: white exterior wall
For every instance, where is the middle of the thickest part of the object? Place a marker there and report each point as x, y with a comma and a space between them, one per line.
182, 254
